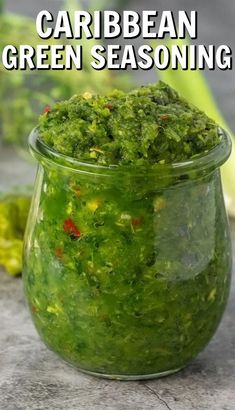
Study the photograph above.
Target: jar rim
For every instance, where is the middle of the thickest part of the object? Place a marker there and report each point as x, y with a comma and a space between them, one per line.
207, 161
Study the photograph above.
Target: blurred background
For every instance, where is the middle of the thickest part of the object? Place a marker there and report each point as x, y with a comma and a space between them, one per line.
25, 94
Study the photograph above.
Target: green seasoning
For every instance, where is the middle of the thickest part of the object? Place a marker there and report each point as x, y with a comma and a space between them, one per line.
147, 126
127, 273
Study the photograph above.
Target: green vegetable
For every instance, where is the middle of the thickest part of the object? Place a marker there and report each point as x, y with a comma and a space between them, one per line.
149, 125
193, 86
13, 216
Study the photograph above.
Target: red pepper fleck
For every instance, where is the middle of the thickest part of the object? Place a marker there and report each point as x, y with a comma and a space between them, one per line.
59, 253
47, 109
70, 228
164, 117
136, 221
34, 309
109, 106
78, 192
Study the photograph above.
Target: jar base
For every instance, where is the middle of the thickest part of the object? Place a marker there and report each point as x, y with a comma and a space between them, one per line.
130, 377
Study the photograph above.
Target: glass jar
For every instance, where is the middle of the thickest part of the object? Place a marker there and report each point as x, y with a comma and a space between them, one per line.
127, 269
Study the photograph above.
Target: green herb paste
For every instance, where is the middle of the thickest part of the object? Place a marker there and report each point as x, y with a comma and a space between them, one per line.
147, 126
124, 275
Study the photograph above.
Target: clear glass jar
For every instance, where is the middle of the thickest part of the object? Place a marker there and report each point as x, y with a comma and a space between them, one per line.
127, 270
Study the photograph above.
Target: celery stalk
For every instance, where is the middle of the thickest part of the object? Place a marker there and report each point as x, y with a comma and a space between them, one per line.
193, 86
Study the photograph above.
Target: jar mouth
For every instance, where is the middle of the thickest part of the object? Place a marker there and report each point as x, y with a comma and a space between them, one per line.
205, 162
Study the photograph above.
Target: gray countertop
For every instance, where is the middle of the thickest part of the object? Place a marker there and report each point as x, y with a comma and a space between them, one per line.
33, 378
